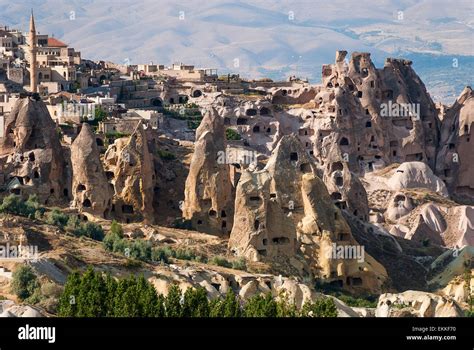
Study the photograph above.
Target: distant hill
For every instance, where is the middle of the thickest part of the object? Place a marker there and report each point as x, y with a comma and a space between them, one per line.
263, 37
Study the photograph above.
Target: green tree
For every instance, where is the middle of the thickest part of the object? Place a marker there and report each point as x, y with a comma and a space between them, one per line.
227, 307
67, 301
195, 303
111, 289
92, 296
25, 282
260, 306
173, 302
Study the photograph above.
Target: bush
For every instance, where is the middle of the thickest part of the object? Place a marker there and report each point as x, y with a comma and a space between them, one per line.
136, 249
160, 255
57, 218
368, 302
165, 155
239, 264
220, 261
13, 204
231, 134
25, 283
322, 307
183, 224
116, 229
91, 230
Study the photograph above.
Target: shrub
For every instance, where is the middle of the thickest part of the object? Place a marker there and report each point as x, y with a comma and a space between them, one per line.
182, 224
231, 134
165, 155
25, 282
369, 302
91, 230
322, 307
109, 241
73, 223
160, 255
57, 218
116, 229
220, 261
13, 204
239, 264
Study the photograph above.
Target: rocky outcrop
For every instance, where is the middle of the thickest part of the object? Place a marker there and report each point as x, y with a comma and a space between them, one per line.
416, 175
455, 159
416, 304
31, 154
9, 308
376, 116
90, 188
346, 189
129, 165
209, 198
277, 220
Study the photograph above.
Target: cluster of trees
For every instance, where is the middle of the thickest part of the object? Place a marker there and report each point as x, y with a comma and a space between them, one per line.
24, 282
31, 208
144, 251
93, 294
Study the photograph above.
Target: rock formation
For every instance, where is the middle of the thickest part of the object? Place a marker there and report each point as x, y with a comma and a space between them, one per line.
129, 166
416, 175
277, 218
31, 153
90, 188
416, 304
346, 189
208, 199
455, 159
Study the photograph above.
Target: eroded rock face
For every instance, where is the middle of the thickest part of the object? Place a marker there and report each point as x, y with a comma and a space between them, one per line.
455, 159
285, 212
416, 304
358, 108
31, 153
346, 189
416, 175
130, 167
90, 187
8, 308
208, 199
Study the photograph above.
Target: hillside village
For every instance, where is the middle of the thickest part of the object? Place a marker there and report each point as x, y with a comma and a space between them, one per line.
359, 188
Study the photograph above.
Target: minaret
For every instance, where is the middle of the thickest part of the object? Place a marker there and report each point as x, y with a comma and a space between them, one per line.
32, 51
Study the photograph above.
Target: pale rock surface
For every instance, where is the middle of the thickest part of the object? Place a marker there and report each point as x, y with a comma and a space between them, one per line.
416, 304
416, 175
90, 188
